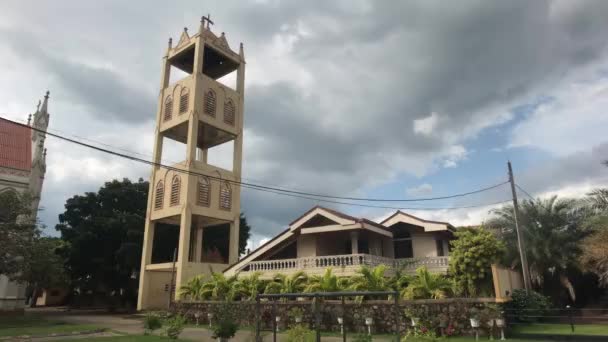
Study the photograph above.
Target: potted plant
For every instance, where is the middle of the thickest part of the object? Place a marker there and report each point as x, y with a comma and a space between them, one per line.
296, 313
414, 314
224, 327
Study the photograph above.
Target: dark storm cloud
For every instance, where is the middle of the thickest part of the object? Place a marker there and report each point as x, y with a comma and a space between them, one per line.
375, 67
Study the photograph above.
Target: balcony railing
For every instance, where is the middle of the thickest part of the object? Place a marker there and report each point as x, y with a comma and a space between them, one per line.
346, 260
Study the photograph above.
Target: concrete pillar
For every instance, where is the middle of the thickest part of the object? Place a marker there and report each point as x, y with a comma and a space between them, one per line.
354, 242
199, 244
234, 241
146, 259
183, 249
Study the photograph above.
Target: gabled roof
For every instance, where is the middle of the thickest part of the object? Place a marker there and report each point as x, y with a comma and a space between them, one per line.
341, 218
428, 225
15, 146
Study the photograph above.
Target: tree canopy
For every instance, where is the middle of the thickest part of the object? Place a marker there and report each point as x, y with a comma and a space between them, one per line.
103, 235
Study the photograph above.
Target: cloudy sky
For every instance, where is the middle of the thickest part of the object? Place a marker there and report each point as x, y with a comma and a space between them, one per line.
353, 98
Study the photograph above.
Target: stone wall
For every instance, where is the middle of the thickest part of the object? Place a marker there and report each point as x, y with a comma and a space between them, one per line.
381, 312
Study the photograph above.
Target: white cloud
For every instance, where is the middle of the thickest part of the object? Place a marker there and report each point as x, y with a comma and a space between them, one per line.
422, 189
454, 155
572, 121
426, 125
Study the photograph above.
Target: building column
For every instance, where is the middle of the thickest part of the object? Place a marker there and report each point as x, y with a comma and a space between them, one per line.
146, 259
354, 242
233, 249
199, 244
183, 248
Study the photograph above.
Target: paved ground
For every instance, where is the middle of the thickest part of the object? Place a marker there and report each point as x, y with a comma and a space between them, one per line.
132, 324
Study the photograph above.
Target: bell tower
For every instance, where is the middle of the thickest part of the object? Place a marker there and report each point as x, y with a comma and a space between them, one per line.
192, 220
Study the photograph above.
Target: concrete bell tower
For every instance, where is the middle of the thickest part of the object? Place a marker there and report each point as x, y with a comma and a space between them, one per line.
193, 212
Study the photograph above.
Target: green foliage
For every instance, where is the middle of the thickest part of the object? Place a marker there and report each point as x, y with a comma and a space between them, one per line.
247, 288
362, 338
224, 325
473, 252
151, 323
552, 229
103, 234
17, 233
296, 312
219, 287
427, 285
328, 282
300, 333
523, 305
287, 284
193, 288
420, 334
175, 326
594, 256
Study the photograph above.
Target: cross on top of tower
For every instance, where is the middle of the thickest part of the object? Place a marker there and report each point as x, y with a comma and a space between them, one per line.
207, 19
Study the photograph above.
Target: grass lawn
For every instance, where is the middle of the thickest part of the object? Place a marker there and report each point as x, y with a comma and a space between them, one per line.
37, 326
562, 329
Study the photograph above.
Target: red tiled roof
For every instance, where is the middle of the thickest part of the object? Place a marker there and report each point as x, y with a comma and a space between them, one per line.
15, 146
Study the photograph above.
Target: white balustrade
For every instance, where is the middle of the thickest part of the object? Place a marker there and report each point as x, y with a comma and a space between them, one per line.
345, 260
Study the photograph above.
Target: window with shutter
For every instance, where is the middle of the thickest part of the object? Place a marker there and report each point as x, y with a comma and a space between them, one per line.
175, 188
225, 196
158, 195
204, 190
229, 111
210, 103
168, 108
183, 100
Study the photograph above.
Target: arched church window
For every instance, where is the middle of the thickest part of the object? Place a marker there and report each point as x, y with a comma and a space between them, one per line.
183, 100
229, 111
210, 102
204, 190
158, 195
168, 108
225, 196
175, 189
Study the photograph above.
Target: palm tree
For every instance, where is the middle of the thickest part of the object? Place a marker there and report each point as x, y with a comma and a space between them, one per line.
426, 285
328, 282
399, 280
193, 288
370, 279
281, 283
219, 287
248, 288
552, 232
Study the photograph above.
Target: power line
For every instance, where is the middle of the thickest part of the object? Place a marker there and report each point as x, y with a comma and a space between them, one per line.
524, 191
283, 191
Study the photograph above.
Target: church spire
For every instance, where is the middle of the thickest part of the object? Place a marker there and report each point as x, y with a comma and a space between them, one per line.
45, 104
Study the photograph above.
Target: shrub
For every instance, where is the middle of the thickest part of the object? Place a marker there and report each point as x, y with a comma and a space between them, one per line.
362, 338
225, 326
523, 305
296, 312
151, 322
300, 333
175, 326
422, 334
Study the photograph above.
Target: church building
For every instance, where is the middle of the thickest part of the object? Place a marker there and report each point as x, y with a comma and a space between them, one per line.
22, 169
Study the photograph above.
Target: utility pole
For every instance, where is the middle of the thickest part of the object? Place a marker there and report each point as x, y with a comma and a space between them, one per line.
520, 237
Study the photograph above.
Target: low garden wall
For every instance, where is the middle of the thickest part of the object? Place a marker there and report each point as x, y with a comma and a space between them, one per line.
455, 310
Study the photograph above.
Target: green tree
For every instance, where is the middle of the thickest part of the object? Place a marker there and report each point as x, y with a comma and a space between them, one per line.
473, 252
247, 288
281, 283
427, 285
552, 229
594, 257
45, 267
370, 279
193, 288
218, 287
244, 234
17, 233
327, 282
103, 232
